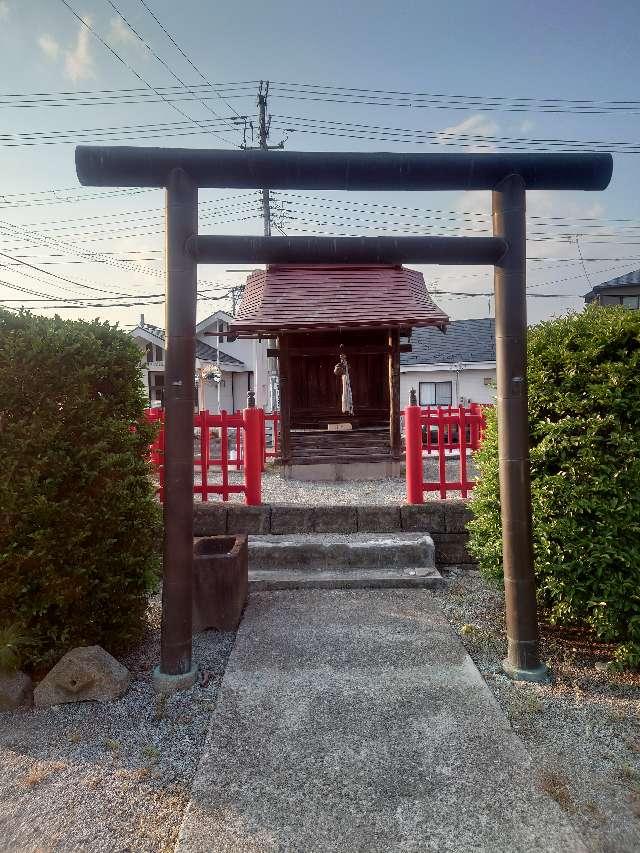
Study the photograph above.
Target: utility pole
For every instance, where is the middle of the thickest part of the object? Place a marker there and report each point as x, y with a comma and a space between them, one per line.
236, 293
264, 122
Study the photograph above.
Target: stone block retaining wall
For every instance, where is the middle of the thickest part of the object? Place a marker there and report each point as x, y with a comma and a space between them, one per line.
445, 520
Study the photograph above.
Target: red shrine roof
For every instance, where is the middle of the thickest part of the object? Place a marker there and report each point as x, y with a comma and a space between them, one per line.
287, 298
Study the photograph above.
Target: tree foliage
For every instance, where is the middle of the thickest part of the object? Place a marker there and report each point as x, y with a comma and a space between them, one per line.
584, 421
79, 524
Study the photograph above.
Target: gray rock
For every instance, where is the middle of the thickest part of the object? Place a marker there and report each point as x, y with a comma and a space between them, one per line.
427, 517
287, 520
451, 549
248, 519
88, 672
336, 519
16, 690
209, 519
379, 519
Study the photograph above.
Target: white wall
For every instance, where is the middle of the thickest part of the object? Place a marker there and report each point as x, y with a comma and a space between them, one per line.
253, 354
470, 381
233, 392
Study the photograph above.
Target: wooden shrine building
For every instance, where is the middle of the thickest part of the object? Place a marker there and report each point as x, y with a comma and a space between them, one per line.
338, 331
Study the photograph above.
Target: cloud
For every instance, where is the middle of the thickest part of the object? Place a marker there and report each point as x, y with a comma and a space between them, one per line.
474, 126
78, 62
4, 10
49, 46
120, 32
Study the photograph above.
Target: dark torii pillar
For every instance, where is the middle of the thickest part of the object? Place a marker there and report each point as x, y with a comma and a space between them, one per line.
510, 284
176, 670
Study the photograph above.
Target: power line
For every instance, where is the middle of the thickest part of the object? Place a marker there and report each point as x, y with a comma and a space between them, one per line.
354, 130
187, 58
128, 97
120, 59
420, 100
419, 212
56, 276
323, 127
330, 93
160, 59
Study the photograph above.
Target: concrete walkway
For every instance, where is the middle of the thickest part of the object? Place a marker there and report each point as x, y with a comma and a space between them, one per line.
353, 720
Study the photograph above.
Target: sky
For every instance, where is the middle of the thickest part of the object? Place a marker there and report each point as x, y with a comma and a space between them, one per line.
363, 76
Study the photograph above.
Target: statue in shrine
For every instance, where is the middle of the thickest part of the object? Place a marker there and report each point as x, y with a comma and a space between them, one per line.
342, 369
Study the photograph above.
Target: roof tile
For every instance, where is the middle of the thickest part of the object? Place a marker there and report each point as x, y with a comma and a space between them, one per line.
299, 297
465, 340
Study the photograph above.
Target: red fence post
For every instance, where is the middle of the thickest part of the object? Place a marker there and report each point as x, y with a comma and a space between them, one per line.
263, 438
252, 453
413, 440
224, 454
462, 437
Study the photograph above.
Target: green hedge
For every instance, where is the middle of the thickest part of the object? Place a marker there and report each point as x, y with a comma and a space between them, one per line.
584, 420
79, 525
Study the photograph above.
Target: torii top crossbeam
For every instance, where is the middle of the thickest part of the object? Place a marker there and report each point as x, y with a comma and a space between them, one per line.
508, 176
125, 166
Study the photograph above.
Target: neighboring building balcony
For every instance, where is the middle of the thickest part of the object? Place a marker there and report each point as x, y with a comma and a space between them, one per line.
154, 365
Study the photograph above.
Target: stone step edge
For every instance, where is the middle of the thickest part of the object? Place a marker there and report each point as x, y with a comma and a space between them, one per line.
371, 551
262, 580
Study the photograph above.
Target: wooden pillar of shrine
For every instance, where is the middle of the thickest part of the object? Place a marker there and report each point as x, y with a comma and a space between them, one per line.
284, 369
394, 394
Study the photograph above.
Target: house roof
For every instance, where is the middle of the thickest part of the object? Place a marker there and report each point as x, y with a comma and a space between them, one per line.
630, 279
203, 351
465, 340
313, 297
217, 315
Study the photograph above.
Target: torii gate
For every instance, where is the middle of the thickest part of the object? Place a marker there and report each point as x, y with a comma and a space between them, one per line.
182, 171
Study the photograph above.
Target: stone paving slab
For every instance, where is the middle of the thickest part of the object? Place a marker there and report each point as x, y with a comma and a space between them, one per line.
355, 721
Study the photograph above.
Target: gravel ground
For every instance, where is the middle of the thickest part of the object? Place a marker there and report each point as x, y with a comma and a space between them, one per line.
583, 732
393, 490
112, 777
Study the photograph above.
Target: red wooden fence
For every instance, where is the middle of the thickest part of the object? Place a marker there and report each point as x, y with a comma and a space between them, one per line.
441, 429
246, 430
435, 429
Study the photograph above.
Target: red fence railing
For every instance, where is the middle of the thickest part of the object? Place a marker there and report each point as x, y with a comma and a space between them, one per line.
441, 429
245, 450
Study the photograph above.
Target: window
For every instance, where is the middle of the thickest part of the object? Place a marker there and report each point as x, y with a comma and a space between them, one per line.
157, 387
630, 301
221, 326
158, 353
435, 394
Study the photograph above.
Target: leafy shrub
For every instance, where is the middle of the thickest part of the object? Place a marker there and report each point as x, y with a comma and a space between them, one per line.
79, 525
584, 421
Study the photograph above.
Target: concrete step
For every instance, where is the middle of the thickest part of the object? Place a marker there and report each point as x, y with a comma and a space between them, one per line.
395, 578
341, 552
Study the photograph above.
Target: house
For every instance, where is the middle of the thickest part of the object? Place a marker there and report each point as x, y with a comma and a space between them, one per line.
623, 290
454, 369
338, 331
225, 369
